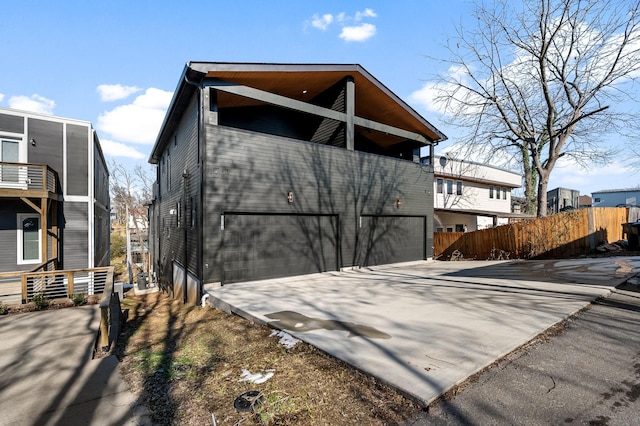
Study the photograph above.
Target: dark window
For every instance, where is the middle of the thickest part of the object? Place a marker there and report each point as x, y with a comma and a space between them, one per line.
459, 228
30, 238
449, 187
504, 193
168, 172
193, 214
491, 192
458, 188
439, 188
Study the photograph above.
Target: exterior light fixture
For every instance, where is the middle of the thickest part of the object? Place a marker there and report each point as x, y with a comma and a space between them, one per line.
290, 197
33, 142
398, 203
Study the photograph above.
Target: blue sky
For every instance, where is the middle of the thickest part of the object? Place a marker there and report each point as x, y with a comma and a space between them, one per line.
116, 63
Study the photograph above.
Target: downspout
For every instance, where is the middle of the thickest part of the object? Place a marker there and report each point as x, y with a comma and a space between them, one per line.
185, 176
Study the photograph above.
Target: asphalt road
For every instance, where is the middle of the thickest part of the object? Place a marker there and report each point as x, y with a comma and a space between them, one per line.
587, 373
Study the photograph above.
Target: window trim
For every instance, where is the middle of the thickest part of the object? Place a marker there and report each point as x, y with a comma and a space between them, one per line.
439, 185
449, 187
20, 217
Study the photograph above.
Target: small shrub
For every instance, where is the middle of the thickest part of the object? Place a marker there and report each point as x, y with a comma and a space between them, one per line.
4, 309
78, 299
41, 301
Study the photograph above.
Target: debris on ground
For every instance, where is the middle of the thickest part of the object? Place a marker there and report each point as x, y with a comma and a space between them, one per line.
256, 378
606, 247
286, 340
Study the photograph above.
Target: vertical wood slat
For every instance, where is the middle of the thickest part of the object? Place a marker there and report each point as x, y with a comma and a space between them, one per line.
567, 234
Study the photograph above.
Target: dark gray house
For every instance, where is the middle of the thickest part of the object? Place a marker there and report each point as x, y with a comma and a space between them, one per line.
561, 199
54, 192
271, 170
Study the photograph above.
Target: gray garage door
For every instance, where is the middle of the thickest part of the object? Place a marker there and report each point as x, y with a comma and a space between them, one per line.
270, 246
391, 239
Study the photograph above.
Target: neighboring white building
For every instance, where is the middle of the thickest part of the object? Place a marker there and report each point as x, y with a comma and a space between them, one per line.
616, 197
469, 196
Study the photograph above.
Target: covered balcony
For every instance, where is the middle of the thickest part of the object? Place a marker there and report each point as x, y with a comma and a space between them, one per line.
38, 187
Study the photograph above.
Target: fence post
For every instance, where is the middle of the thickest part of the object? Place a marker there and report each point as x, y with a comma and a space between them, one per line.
24, 289
70, 289
592, 229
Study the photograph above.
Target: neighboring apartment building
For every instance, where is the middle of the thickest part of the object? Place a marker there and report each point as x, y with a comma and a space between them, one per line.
54, 186
561, 199
469, 196
616, 197
270, 170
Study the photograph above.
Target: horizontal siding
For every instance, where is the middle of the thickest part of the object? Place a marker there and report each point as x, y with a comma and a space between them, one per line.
183, 192
474, 196
75, 235
8, 238
250, 172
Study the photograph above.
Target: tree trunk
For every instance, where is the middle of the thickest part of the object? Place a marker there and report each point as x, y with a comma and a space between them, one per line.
530, 181
542, 194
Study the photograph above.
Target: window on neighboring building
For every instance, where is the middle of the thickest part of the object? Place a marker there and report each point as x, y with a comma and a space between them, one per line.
449, 229
491, 192
28, 238
504, 193
596, 200
449, 187
460, 228
439, 229
439, 183
458, 188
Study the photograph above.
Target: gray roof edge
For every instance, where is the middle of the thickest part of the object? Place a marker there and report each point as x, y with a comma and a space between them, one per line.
605, 191
177, 94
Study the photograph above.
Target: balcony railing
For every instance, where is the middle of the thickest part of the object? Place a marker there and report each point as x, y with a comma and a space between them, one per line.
31, 177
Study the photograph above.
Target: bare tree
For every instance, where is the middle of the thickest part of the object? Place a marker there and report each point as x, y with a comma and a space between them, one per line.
130, 194
541, 82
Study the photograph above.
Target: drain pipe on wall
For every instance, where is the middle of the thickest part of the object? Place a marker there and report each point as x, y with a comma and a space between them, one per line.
204, 300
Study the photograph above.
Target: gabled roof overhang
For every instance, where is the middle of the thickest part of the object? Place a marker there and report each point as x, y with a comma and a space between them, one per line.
294, 85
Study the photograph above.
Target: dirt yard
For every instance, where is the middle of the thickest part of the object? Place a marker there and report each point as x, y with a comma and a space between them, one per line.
188, 362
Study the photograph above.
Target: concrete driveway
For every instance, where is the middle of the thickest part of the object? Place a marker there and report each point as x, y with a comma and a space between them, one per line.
427, 326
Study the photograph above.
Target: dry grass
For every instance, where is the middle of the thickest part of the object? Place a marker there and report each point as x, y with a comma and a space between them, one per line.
186, 363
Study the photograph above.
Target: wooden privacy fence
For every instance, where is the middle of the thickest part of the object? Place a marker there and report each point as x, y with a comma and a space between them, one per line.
563, 235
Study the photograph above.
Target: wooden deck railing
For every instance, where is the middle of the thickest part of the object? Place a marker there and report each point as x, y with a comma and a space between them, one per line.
110, 315
25, 176
64, 283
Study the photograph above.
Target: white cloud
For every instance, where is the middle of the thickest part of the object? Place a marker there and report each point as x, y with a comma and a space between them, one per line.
367, 13
117, 149
34, 103
139, 121
357, 32
1, 97
321, 22
425, 97
362, 32
441, 97
114, 92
